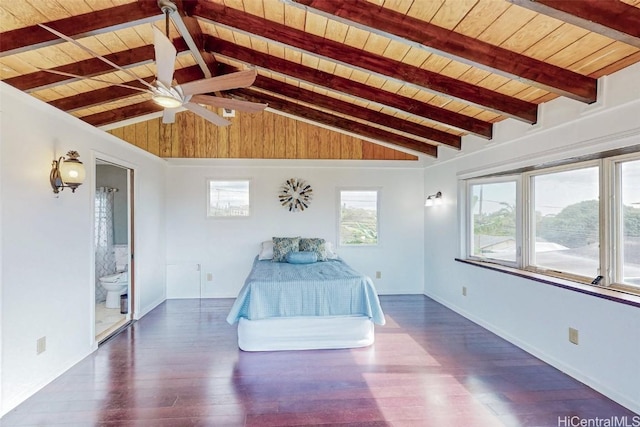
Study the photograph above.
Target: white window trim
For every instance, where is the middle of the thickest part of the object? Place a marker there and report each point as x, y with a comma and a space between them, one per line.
339, 191
469, 219
528, 222
614, 254
610, 219
230, 217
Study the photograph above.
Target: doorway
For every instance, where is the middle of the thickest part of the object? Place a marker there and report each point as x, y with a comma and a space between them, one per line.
113, 246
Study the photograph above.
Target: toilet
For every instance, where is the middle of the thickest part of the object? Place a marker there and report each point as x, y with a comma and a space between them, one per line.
115, 284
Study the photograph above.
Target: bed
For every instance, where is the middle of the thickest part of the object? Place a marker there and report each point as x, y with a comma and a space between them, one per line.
317, 305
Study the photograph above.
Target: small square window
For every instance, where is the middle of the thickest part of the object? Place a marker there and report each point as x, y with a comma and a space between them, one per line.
228, 198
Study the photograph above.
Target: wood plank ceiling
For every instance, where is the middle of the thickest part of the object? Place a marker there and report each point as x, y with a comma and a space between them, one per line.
414, 74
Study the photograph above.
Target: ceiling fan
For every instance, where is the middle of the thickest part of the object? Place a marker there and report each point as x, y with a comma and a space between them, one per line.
171, 97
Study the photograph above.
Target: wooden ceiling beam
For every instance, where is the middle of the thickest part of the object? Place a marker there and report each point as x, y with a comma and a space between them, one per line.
120, 114
148, 107
342, 107
89, 68
114, 93
349, 87
327, 119
190, 30
98, 96
84, 25
358, 58
610, 18
459, 47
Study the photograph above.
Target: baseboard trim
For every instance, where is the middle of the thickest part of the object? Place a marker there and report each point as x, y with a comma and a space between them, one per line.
626, 401
113, 334
16, 400
143, 312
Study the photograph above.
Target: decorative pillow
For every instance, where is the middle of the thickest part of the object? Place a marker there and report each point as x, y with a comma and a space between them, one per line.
282, 246
314, 245
266, 250
301, 257
330, 252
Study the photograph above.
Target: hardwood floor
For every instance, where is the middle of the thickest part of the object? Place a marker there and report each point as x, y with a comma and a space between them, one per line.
180, 366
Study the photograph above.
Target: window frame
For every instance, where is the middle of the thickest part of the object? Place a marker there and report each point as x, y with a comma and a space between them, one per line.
615, 262
469, 218
339, 190
529, 225
610, 209
208, 182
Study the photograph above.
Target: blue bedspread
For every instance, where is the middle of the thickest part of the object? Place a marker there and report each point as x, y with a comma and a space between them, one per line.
330, 288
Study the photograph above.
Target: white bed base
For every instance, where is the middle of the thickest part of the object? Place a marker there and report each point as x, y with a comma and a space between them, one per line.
305, 333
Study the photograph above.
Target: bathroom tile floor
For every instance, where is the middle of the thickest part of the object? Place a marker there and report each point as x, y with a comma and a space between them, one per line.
107, 319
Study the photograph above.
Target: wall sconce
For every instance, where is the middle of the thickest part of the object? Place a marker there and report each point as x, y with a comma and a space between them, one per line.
67, 172
434, 199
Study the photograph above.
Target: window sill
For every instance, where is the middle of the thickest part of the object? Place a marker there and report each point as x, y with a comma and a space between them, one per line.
599, 292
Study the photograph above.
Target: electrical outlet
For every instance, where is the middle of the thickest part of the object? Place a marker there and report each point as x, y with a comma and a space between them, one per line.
378, 274
464, 291
41, 345
209, 277
573, 336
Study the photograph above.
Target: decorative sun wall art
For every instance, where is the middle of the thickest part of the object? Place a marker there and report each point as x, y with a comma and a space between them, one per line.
295, 194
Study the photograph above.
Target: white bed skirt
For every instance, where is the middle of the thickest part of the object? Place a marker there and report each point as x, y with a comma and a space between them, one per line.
305, 333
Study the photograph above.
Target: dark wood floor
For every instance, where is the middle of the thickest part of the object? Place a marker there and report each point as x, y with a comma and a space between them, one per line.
180, 366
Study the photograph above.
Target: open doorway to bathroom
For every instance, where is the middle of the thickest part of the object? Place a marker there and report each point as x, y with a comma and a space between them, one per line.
113, 244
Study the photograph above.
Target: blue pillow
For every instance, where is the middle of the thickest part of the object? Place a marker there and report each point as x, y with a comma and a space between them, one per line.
301, 257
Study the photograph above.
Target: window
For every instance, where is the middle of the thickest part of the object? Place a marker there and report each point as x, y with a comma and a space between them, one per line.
628, 174
566, 222
228, 198
576, 221
493, 220
358, 217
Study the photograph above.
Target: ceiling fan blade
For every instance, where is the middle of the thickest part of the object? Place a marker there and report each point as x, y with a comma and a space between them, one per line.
206, 114
96, 55
165, 57
233, 104
224, 82
169, 115
62, 73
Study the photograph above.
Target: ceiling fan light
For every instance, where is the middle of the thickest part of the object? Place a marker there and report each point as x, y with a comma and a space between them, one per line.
166, 101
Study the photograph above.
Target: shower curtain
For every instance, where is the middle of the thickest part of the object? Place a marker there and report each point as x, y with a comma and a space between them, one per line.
104, 249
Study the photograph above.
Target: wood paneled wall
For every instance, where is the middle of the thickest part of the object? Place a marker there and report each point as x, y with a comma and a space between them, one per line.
262, 135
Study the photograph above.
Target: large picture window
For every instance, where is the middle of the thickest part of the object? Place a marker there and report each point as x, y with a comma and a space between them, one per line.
358, 217
566, 221
578, 221
228, 198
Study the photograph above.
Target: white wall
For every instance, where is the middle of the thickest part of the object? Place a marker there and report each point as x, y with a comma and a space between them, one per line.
536, 316
226, 247
47, 242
